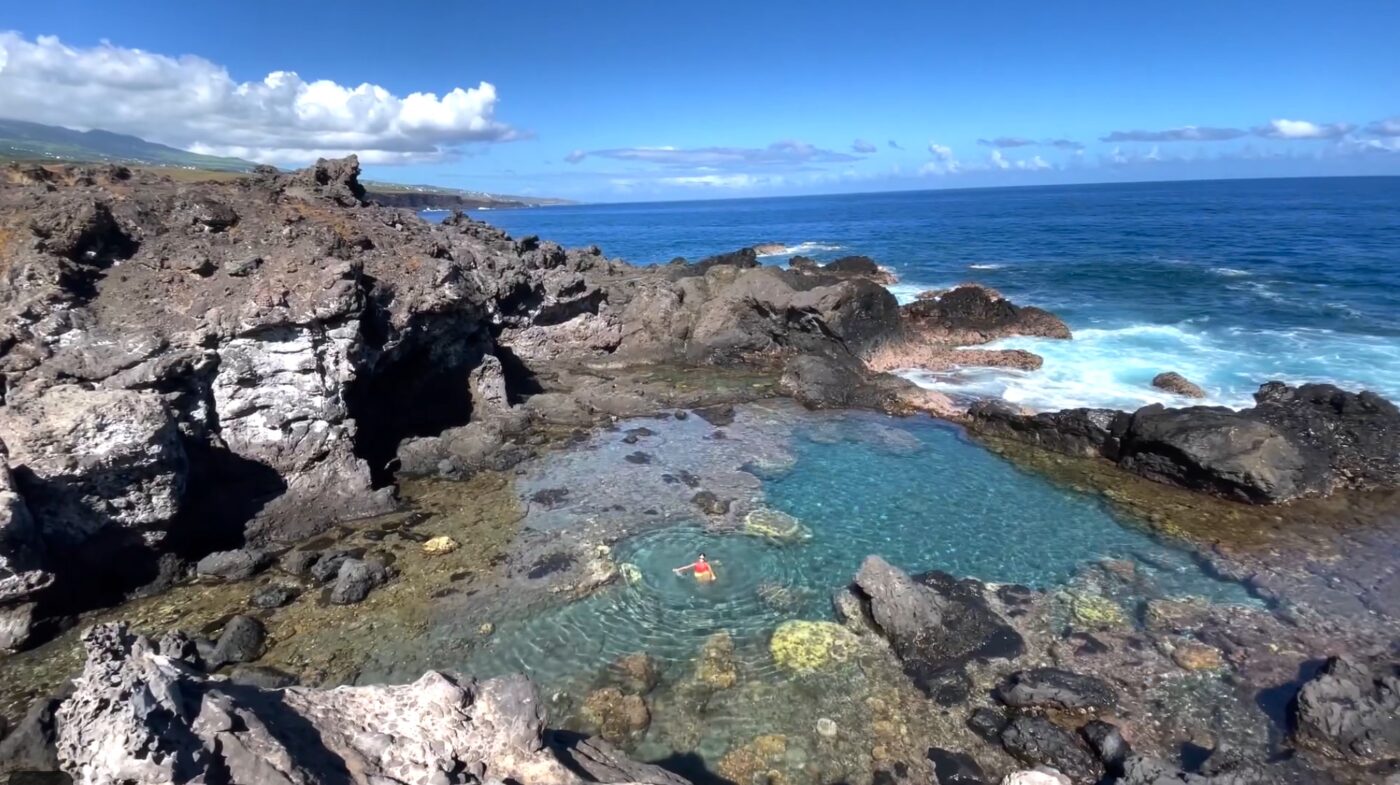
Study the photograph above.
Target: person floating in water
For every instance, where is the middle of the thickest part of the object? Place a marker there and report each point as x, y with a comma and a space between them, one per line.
702, 569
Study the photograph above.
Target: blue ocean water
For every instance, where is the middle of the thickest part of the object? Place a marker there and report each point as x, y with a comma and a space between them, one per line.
1231, 283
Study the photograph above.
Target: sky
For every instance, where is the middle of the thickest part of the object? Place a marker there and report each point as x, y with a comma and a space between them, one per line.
639, 101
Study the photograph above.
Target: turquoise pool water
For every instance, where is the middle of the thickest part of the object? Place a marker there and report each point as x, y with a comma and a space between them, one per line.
912, 490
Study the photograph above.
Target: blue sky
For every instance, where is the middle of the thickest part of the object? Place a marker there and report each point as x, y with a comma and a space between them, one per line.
630, 101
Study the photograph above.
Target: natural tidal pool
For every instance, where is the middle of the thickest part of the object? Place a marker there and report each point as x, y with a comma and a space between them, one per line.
809, 496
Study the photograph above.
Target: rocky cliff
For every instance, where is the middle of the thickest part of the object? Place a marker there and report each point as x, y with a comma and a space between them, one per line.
195, 367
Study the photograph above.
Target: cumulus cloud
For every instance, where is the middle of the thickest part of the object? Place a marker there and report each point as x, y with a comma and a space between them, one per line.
1006, 141
787, 153
575, 156
894, 145
1387, 127
863, 147
193, 103
944, 161
1188, 133
998, 160
1302, 129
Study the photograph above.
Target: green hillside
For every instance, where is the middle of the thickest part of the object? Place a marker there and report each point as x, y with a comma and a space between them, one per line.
24, 141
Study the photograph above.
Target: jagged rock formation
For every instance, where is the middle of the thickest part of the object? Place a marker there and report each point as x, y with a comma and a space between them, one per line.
187, 368
139, 716
1305, 441
1352, 712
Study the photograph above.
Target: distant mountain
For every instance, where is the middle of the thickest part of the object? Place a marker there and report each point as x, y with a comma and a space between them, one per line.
25, 141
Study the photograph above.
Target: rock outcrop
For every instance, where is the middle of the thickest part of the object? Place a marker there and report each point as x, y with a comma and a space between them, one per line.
138, 716
1311, 440
187, 368
972, 314
935, 624
1352, 712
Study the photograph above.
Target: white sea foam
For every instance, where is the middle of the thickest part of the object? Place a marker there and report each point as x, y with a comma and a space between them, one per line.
907, 293
1114, 367
1231, 272
985, 266
804, 248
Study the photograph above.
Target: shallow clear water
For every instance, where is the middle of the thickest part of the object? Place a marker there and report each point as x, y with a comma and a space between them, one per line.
1231, 283
911, 490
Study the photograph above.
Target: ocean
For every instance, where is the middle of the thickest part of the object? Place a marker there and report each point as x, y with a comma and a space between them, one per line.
1230, 283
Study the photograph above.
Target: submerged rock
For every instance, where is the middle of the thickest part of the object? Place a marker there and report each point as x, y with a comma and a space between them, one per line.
184, 726
717, 667
775, 525
614, 715
806, 646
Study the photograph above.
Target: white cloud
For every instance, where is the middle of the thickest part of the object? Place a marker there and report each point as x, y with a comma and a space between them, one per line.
999, 161
788, 153
863, 147
1387, 127
1302, 129
944, 161
192, 103
721, 180
575, 156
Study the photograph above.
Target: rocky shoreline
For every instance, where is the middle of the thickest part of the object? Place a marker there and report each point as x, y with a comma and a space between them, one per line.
204, 380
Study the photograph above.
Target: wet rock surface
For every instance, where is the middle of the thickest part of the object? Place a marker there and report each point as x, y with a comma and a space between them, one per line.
935, 623
1311, 440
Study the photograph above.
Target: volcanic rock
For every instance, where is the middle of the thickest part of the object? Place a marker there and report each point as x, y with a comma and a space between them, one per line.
1350, 711
1173, 382
934, 622
143, 719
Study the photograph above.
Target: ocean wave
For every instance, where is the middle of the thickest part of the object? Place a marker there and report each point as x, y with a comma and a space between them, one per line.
1231, 272
906, 293
774, 249
985, 266
1113, 367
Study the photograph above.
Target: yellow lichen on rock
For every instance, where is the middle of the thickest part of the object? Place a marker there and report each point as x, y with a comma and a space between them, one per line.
759, 761
774, 525
439, 545
1096, 611
805, 646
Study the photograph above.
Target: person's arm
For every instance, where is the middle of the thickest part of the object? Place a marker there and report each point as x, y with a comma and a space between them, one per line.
680, 570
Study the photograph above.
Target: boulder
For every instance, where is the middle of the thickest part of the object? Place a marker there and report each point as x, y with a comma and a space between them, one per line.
31, 744
935, 623
243, 640
356, 579
17, 621
1173, 382
87, 460
1217, 450
1054, 688
235, 565
143, 719
1038, 741
1351, 711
